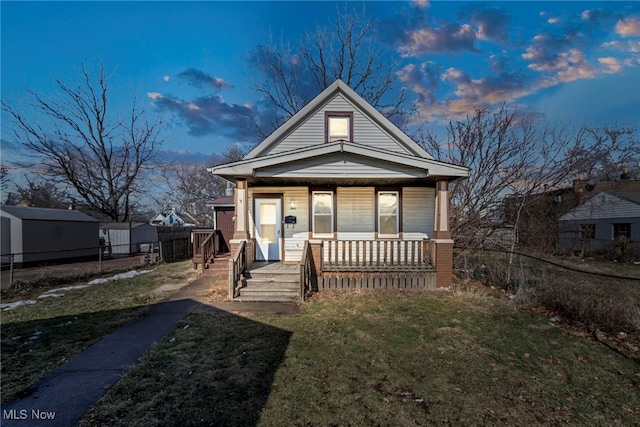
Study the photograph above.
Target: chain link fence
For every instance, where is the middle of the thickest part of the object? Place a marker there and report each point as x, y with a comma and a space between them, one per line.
599, 294
173, 244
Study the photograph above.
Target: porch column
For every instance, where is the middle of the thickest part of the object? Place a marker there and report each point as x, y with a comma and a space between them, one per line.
441, 243
241, 223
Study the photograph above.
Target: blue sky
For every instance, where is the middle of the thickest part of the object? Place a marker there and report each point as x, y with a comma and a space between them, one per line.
190, 62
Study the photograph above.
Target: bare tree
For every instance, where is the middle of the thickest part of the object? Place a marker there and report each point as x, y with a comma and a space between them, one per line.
191, 187
292, 76
101, 156
39, 193
607, 152
4, 183
509, 154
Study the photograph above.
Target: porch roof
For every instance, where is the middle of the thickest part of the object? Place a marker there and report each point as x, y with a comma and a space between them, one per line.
340, 160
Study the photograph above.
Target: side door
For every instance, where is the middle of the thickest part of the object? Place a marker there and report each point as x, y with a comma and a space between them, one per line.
268, 217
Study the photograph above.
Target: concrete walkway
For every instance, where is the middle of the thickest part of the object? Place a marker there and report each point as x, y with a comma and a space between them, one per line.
65, 395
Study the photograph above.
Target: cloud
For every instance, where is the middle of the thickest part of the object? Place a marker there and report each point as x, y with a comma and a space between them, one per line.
491, 23
202, 80
417, 33
467, 94
422, 4
565, 49
210, 115
447, 38
628, 27
166, 78
610, 64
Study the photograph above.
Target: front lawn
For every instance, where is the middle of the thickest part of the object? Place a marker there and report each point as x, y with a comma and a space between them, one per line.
39, 337
377, 358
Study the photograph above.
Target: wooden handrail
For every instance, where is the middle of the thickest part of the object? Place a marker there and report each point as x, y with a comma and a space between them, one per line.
208, 250
305, 270
237, 266
392, 254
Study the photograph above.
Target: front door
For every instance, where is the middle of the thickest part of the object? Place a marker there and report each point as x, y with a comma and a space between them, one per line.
268, 215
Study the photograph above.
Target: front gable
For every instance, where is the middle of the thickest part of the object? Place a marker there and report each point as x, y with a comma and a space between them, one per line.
308, 127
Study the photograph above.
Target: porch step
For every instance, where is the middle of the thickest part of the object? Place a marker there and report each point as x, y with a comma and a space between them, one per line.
272, 286
220, 265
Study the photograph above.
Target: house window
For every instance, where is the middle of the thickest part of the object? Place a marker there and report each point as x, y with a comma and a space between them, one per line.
621, 231
388, 214
587, 231
322, 213
339, 126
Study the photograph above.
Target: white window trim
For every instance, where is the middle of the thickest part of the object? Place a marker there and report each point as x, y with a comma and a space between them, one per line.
616, 225
337, 137
397, 214
313, 215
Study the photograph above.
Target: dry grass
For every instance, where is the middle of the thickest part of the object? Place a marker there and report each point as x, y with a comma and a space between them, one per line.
383, 357
38, 338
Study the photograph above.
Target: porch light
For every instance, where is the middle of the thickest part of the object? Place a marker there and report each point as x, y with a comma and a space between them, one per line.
293, 205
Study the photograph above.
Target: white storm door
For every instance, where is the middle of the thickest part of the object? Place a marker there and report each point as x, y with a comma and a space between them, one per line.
268, 225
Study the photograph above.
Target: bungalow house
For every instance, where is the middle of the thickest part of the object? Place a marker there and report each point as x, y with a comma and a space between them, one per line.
340, 196
607, 221
38, 235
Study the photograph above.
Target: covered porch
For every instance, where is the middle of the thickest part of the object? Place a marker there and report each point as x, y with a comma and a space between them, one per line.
333, 264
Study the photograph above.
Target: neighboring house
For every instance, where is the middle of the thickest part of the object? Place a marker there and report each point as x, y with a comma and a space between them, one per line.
125, 238
341, 189
605, 221
39, 234
538, 215
171, 218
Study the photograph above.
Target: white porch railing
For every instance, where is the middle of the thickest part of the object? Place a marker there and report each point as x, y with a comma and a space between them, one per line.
376, 255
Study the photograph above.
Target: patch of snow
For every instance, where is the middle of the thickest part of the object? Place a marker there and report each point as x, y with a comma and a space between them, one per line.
66, 288
50, 295
11, 305
121, 276
54, 293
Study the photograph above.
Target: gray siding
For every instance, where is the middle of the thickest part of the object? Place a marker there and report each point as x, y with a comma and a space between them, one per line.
121, 243
570, 236
312, 131
50, 240
418, 212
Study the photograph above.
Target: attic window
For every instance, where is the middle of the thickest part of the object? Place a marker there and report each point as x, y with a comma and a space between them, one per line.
338, 126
